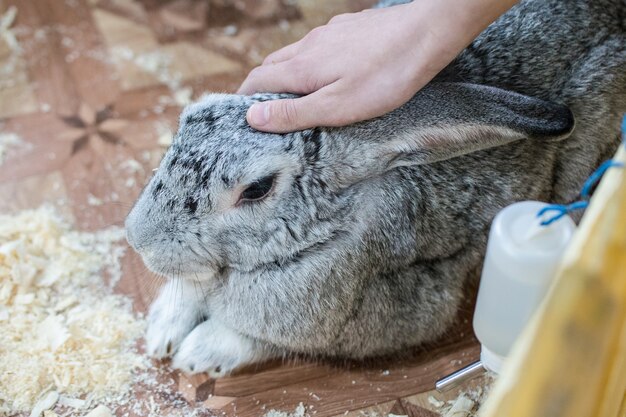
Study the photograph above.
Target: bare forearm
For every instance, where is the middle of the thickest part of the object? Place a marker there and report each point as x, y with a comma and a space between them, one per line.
456, 23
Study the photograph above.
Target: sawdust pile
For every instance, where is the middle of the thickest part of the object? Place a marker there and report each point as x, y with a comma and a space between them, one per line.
62, 327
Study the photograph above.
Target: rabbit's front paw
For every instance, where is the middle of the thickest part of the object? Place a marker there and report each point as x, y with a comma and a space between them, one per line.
214, 348
171, 318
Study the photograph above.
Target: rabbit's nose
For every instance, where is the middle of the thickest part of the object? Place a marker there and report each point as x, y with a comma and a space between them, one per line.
131, 232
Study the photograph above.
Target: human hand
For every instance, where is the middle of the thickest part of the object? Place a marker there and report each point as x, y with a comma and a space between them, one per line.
363, 65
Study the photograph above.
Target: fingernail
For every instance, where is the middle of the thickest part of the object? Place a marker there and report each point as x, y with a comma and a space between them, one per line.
259, 114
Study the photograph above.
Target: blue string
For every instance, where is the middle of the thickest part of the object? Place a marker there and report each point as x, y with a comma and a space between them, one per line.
595, 177
563, 209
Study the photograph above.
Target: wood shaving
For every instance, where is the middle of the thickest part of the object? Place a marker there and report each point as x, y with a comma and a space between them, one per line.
45, 404
6, 34
300, 411
462, 407
182, 96
92, 200
63, 330
435, 402
8, 141
100, 411
72, 402
165, 134
132, 166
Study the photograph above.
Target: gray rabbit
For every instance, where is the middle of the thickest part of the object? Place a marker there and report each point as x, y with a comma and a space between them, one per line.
359, 241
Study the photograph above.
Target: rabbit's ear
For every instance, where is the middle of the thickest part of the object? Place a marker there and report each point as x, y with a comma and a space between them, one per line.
445, 120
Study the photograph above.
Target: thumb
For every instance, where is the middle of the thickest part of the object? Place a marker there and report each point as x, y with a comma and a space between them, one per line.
286, 115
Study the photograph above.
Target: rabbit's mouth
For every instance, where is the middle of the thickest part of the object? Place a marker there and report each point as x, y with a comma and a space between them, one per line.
179, 267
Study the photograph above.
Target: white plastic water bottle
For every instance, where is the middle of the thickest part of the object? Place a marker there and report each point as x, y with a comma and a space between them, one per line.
522, 258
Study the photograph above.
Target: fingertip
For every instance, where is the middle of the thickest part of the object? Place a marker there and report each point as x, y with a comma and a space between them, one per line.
258, 115
244, 88
273, 117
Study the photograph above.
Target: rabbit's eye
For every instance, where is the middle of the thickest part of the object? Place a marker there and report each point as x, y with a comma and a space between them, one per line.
258, 189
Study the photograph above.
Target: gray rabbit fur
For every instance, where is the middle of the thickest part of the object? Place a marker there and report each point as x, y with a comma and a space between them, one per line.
371, 232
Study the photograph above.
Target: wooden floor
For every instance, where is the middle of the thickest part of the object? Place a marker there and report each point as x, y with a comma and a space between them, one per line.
94, 88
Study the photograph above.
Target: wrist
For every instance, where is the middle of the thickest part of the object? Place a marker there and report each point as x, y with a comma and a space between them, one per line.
463, 17
441, 29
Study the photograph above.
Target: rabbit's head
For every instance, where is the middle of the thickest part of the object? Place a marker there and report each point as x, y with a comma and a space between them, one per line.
227, 196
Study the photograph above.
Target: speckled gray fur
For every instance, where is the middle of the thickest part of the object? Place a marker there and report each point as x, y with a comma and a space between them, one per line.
371, 231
